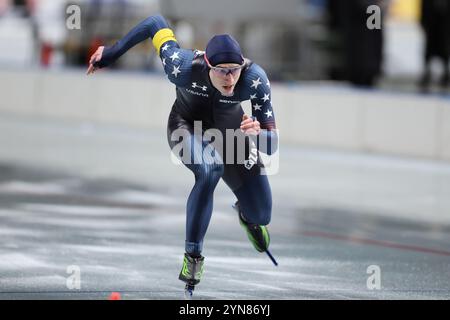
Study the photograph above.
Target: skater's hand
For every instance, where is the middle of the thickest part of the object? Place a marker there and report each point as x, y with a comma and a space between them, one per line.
250, 126
97, 56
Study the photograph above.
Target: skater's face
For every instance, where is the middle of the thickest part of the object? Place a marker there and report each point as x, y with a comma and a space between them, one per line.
225, 76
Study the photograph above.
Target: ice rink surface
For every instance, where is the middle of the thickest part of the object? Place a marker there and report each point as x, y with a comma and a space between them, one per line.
107, 201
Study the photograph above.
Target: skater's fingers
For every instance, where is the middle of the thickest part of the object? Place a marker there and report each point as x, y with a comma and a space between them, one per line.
248, 126
99, 53
93, 58
251, 131
251, 128
97, 56
247, 121
252, 124
89, 70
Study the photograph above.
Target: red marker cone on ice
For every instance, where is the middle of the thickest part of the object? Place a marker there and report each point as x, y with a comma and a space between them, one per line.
114, 296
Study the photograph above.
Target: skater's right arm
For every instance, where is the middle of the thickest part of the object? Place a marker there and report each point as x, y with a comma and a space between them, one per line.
177, 62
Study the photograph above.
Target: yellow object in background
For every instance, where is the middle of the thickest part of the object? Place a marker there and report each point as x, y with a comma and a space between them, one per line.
408, 10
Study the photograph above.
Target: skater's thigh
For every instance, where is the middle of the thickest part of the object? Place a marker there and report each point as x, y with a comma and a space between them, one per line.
194, 153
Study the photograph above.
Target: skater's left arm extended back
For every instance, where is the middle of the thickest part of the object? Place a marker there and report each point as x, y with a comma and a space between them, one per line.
177, 62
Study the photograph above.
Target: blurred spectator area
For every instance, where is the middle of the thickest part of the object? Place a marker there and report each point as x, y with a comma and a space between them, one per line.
104, 22
291, 39
281, 36
34, 32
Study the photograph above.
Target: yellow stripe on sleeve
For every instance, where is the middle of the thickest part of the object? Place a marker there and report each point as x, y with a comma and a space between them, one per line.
161, 37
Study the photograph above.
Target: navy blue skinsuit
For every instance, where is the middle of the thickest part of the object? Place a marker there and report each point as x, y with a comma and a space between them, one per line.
198, 100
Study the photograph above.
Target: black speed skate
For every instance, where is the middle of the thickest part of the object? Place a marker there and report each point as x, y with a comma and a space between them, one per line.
257, 234
191, 273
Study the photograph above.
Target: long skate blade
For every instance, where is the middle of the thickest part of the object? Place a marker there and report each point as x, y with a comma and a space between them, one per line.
272, 258
188, 292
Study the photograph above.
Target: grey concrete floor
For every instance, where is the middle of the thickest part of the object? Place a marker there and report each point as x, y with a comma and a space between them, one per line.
109, 201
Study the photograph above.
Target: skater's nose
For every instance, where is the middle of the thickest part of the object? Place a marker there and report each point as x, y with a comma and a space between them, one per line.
229, 78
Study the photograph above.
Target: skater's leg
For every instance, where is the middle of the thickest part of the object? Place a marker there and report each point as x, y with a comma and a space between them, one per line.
198, 211
207, 168
255, 209
254, 203
255, 200
200, 202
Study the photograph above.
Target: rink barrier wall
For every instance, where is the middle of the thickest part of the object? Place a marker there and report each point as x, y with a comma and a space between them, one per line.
324, 116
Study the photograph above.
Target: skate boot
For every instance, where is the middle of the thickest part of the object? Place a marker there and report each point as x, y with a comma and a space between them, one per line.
191, 273
257, 234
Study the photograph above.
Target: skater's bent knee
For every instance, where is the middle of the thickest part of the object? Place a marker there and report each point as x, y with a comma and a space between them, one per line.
209, 171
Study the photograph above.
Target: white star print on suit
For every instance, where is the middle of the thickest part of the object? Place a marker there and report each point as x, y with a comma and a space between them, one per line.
176, 71
266, 97
257, 107
166, 46
257, 88
177, 64
175, 56
256, 83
